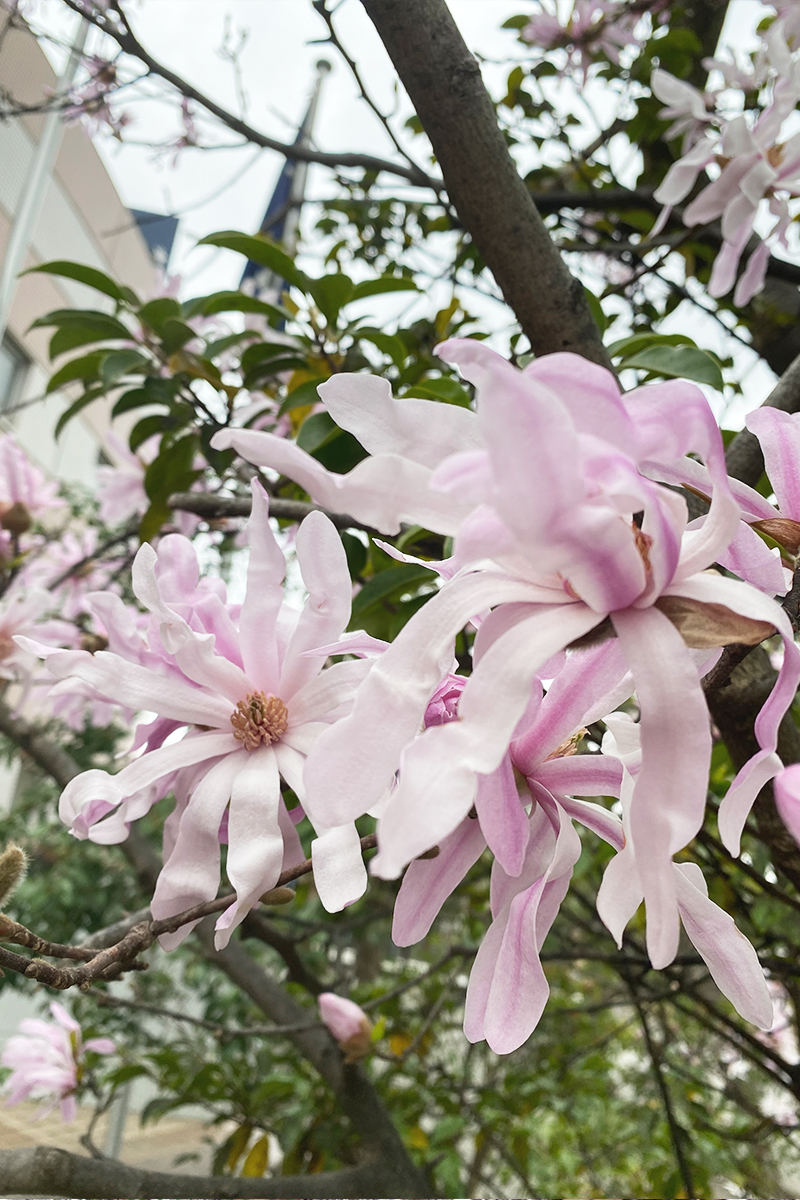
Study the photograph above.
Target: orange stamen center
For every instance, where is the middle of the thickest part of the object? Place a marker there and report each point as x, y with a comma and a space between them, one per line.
259, 718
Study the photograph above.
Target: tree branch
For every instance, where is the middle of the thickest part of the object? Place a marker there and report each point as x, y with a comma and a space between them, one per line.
744, 458
211, 507
444, 82
130, 44
48, 1171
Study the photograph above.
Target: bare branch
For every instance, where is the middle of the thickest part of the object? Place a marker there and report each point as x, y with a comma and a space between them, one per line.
130, 44
212, 507
49, 1171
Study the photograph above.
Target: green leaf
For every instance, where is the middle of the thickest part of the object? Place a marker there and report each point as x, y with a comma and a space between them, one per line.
384, 283
256, 1162
637, 341
596, 309
356, 553
261, 351
315, 431
261, 250
331, 293
387, 585
156, 312
304, 393
88, 396
144, 429
388, 343
135, 398
335, 448
85, 368
449, 391
518, 22
175, 334
219, 302
82, 317
678, 362
120, 363
88, 275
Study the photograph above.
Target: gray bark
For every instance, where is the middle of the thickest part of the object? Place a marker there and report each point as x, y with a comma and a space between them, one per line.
443, 80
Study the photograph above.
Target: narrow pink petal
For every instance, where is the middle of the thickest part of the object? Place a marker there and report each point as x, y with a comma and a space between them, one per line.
381, 491
731, 960
670, 793
191, 873
751, 558
696, 475
263, 598
620, 893
428, 882
572, 378
255, 842
581, 775
323, 565
323, 695
779, 435
742, 598
353, 763
442, 762
787, 798
422, 430
503, 820
605, 824
340, 876
140, 688
591, 683
752, 279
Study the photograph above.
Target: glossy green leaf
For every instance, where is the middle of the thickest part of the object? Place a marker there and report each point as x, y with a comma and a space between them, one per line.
447, 390
261, 250
384, 283
235, 302
156, 312
331, 293
388, 343
403, 578
88, 275
175, 335
119, 363
85, 368
678, 362
77, 405
304, 393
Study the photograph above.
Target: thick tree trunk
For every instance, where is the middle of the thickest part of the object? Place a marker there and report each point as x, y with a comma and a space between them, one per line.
444, 82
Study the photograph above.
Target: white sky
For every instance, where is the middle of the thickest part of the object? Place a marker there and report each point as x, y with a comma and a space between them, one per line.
277, 63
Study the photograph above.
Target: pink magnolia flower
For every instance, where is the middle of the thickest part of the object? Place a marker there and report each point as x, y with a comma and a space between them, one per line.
594, 27
23, 483
250, 702
52, 569
348, 1023
22, 613
47, 1060
756, 165
121, 490
542, 490
685, 106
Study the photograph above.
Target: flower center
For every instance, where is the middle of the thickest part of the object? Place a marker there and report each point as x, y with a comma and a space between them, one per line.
259, 718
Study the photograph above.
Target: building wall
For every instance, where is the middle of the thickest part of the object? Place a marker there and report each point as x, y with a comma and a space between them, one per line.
83, 219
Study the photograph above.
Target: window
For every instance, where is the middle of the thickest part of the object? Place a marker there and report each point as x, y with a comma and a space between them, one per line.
13, 365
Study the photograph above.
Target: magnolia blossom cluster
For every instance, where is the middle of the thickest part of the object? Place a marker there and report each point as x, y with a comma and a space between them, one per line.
587, 584
47, 1060
593, 28
754, 156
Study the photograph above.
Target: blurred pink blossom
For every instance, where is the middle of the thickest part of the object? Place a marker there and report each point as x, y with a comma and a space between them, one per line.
47, 1059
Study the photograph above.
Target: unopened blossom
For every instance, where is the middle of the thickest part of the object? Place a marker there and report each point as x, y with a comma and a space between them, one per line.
47, 1060
540, 488
348, 1023
249, 701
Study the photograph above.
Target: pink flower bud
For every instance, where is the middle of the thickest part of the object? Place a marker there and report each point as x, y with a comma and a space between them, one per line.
348, 1023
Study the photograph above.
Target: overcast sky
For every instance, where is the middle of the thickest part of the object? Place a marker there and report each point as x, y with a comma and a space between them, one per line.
229, 188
